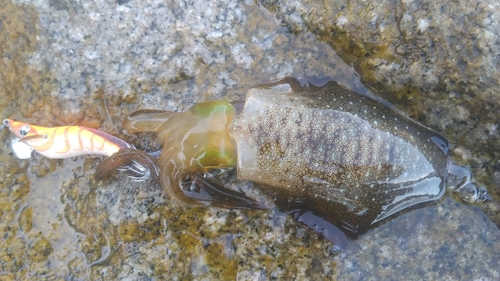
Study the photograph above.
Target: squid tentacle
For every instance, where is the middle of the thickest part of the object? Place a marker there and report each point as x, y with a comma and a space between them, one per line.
137, 161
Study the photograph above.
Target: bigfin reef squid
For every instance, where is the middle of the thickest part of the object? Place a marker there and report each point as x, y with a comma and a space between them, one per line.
323, 151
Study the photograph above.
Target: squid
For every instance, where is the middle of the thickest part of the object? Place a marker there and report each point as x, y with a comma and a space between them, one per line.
324, 150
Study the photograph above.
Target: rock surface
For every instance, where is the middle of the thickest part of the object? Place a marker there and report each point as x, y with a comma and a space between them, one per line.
91, 63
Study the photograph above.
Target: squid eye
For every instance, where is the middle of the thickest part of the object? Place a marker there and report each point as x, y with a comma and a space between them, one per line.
24, 130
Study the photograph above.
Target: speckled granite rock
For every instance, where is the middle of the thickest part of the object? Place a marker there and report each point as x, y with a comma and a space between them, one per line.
419, 246
91, 63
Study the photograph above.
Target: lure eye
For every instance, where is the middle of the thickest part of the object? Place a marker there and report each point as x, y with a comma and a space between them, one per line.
24, 130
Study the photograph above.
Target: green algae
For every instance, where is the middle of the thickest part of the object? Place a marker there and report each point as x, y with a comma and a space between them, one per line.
39, 249
25, 219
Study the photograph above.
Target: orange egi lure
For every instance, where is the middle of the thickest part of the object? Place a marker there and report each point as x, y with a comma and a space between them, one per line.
65, 141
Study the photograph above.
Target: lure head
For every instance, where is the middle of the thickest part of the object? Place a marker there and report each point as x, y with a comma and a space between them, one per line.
22, 131
30, 137
18, 128
26, 133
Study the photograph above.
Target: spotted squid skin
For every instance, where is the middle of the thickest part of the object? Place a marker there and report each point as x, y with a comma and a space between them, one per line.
337, 153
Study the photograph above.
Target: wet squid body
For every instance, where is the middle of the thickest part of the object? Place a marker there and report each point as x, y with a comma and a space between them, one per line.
327, 150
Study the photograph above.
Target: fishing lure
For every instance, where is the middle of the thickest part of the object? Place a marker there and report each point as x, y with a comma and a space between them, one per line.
329, 151
63, 141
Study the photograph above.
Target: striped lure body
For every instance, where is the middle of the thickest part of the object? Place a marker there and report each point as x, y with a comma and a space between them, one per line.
65, 141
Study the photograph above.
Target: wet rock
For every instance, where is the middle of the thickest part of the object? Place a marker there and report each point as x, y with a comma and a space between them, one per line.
456, 250
91, 63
